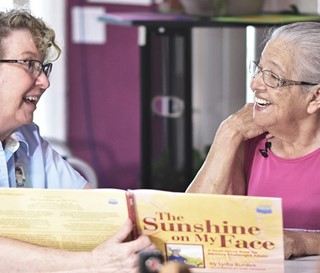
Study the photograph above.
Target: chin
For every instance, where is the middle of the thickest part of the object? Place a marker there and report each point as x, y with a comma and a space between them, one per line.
27, 121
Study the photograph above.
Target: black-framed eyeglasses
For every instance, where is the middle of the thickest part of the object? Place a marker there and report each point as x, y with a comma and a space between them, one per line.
35, 67
271, 79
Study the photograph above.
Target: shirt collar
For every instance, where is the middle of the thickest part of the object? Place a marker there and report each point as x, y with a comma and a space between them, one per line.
16, 140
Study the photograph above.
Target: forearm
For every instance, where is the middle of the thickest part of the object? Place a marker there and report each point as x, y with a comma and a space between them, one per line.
298, 243
112, 255
16, 256
312, 243
217, 172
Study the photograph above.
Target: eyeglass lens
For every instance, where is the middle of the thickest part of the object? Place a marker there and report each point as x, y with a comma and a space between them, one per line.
47, 68
269, 78
36, 67
253, 69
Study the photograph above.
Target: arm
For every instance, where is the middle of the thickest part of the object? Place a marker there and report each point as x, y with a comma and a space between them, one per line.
223, 169
223, 163
111, 256
299, 243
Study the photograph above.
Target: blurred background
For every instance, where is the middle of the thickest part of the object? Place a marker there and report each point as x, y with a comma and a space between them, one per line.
92, 108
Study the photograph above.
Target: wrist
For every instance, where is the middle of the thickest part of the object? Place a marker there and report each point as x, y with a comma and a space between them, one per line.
228, 135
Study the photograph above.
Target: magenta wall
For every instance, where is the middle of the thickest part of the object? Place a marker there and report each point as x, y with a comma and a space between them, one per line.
104, 102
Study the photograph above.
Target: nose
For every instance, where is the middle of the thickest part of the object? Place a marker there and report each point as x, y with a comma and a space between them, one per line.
42, 81
257, 82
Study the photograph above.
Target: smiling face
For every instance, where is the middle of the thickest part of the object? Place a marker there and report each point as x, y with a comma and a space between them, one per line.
283, 107
20, 90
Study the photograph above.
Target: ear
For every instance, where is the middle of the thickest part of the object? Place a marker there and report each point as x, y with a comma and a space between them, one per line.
314, 100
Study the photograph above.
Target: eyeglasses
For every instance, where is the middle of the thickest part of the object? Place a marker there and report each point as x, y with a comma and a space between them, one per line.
271, 79
35, 67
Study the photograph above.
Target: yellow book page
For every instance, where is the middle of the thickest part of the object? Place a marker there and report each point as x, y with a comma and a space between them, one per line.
64, 219
214, 233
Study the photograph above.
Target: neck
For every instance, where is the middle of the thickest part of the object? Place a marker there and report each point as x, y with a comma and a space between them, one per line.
295, 147
4, 136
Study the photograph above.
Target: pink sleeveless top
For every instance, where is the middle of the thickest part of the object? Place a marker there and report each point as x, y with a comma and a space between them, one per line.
296, 181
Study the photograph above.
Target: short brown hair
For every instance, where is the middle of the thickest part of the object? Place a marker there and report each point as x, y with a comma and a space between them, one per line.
43, 35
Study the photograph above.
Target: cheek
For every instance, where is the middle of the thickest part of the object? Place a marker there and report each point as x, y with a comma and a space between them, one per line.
8, 105
10, 98
293, 102
288, 106
11, 93
7, 93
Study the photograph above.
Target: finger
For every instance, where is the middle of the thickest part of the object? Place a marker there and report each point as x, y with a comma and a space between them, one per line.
122, 234
268, 135
141, 243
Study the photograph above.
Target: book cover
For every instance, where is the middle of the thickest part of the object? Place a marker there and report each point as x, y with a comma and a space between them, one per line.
214, 233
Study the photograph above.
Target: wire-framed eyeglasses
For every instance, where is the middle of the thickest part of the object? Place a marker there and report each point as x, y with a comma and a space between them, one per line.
35, 67
271, 79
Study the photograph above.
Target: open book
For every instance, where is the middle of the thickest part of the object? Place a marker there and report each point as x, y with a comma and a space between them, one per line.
211, 233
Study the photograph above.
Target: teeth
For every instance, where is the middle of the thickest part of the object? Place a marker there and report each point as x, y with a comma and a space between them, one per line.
31, 99
261, 102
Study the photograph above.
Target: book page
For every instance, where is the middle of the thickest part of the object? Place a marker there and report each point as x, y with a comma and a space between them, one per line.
65, 219
214, 233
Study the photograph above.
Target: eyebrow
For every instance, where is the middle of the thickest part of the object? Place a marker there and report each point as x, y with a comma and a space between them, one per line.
30, 55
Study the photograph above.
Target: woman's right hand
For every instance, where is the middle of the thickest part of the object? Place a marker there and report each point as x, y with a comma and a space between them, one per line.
241, 123
114, 255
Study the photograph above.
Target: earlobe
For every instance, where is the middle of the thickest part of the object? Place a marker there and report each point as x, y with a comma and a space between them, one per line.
314, 102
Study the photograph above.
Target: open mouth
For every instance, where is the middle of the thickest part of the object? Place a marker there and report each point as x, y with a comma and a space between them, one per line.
261, 102
31, 99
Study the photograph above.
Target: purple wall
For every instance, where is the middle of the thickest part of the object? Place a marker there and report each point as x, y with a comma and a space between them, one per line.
104, 102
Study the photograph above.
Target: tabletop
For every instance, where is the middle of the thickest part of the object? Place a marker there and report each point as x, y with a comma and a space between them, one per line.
309, 264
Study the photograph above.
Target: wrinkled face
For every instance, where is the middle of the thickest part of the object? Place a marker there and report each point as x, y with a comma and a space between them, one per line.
20, 90
282, 106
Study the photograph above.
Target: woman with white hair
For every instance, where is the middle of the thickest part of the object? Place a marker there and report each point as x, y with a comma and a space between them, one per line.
272, 147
